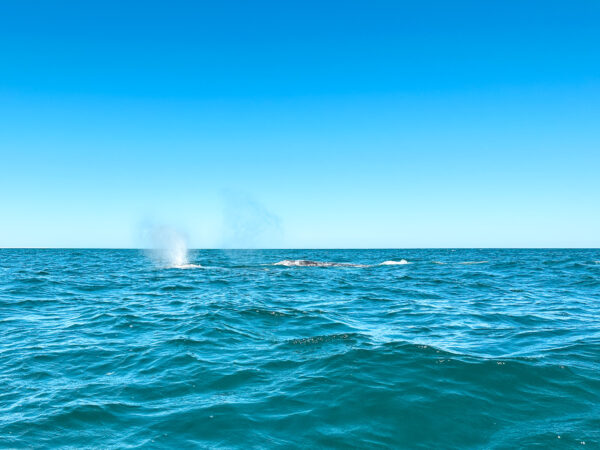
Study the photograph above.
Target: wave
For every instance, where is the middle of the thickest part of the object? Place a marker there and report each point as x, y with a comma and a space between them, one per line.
466, 263
511, 346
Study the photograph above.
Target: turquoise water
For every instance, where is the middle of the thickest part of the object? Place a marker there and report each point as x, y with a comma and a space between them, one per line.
465, 348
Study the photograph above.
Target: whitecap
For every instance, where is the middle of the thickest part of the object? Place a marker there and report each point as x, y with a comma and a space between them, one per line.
394, 263
473, 262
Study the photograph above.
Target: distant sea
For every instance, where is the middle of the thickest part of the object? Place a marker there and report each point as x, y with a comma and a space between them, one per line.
328, 349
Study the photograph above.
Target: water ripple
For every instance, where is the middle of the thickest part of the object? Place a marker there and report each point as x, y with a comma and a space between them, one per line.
449, 349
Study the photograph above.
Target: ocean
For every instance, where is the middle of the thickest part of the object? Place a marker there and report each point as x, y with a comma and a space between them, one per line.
492, 348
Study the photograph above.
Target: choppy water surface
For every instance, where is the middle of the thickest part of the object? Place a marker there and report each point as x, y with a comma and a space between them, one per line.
479, 348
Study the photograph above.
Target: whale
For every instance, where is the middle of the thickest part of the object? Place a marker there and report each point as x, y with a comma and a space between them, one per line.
309, 263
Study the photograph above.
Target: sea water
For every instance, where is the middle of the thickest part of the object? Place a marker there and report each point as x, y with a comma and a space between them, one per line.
300, 348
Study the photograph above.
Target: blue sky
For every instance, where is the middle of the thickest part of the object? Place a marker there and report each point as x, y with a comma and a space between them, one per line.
300, 124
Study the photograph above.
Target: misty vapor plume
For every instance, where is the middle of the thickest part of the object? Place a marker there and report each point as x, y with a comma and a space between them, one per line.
167, 247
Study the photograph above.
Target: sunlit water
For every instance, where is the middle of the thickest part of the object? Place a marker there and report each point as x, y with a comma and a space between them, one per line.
450, 349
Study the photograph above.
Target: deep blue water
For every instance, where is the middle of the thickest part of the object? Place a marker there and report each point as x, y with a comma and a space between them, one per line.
103, 348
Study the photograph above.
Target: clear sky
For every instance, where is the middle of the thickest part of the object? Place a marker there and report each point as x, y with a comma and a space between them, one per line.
300, 124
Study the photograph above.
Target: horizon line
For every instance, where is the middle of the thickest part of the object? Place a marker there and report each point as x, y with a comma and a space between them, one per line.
305, 248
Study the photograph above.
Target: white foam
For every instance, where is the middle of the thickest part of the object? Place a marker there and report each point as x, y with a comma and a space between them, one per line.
289, 262
473, 262
394, 263
186, 266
